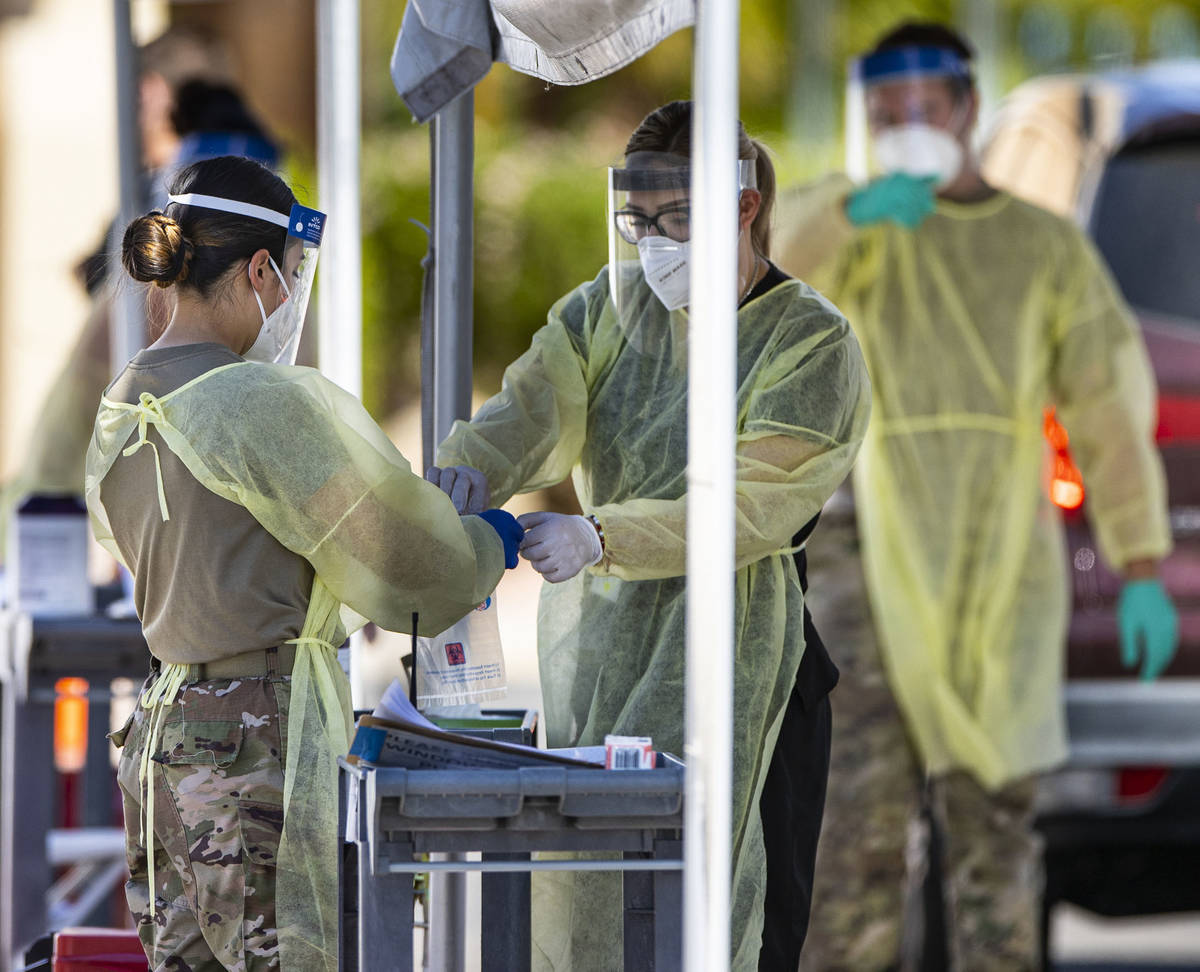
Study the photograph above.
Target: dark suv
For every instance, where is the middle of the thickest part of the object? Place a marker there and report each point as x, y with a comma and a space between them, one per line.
1120, 153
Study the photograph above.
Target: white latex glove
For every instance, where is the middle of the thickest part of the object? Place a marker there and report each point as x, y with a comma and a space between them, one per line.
466, 486
559, 545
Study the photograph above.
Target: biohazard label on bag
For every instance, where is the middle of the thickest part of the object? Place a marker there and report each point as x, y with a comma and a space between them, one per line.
465, 663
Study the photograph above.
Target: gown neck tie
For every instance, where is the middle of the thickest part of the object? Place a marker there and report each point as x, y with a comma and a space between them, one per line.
149, 411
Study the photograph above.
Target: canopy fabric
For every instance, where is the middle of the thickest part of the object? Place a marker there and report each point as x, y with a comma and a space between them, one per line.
445, 47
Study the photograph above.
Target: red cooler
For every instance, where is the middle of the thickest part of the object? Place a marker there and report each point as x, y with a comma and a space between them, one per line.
98, 950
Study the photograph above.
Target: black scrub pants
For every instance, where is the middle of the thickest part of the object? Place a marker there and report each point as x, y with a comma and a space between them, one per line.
793, 800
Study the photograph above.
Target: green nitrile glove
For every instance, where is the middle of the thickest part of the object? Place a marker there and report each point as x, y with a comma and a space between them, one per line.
1149, 626
905, 200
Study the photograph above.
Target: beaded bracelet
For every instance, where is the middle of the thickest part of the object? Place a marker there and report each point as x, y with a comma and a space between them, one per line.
591, 518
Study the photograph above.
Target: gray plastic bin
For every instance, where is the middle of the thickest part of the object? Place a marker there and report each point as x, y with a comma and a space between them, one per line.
395, 815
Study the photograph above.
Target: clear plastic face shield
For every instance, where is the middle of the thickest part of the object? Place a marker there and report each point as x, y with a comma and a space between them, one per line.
906, 111
278, 340
649, 234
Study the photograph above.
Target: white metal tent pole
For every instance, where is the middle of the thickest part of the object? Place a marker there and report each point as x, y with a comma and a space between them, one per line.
811, 117
339, 289
982, 22
712, 357
127, 329
339, 305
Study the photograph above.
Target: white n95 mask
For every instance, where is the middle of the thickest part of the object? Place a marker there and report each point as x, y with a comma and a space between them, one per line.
919, 150
279, 337
665, 266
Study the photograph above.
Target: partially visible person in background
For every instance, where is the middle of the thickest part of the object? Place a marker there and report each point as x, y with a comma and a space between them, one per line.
601, 396
165, 65
975, 312
187, 111
211, 120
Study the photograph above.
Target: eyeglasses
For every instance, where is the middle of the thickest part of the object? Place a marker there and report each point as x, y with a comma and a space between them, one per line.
674, 222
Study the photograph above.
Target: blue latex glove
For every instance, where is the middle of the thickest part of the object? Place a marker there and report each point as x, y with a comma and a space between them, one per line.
511, 533
903, 199
1149, 626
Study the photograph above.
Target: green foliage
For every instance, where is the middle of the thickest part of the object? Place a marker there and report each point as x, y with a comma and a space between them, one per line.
539, 231
395, 190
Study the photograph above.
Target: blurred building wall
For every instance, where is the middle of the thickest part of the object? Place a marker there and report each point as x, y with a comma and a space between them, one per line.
57, 192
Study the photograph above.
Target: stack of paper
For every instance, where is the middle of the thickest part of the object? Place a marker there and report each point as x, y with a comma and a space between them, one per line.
398, 735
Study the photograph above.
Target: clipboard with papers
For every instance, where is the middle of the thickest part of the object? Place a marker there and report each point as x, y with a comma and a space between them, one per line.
398, 735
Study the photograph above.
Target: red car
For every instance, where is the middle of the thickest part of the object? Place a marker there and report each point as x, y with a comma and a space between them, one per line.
1120, 153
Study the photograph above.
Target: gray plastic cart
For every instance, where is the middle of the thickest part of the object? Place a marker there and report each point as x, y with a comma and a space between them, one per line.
392, 816
31, 662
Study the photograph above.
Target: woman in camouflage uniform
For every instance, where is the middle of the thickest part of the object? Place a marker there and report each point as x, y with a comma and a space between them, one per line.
268, 517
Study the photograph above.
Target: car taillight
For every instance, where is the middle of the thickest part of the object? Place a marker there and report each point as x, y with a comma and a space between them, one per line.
1140, 783
1066, 483
1066, 486
1178, 419
70, 724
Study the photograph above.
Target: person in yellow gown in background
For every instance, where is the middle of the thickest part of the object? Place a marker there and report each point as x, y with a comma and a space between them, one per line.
975, 312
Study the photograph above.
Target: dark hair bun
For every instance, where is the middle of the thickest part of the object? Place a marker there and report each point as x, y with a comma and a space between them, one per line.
156, 251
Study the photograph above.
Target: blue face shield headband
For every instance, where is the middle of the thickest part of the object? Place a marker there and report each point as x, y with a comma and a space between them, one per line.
905, 63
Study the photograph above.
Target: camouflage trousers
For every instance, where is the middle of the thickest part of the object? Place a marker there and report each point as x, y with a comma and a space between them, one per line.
216, 779
888, 831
